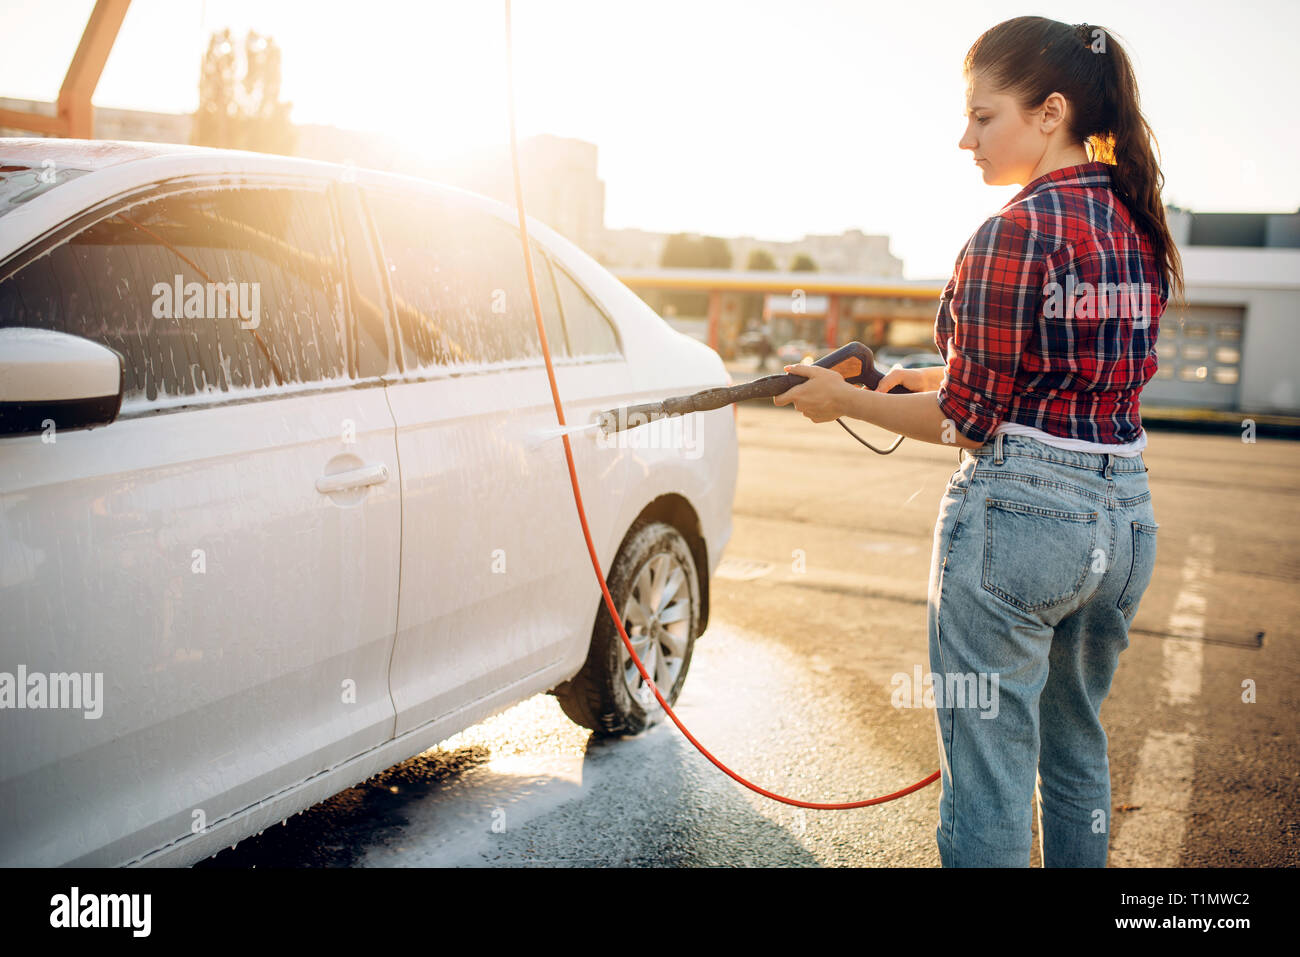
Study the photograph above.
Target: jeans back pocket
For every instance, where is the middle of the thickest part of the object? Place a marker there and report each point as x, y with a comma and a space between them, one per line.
1037, 557
1143, 567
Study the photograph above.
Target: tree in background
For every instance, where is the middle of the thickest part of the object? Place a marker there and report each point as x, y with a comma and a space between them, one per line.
751, 304
706, 252
245, 113
803, 263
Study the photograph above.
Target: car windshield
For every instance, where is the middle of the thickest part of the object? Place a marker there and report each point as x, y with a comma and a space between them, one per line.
18, 184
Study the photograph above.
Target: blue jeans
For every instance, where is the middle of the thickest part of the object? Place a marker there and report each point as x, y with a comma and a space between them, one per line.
1041, 556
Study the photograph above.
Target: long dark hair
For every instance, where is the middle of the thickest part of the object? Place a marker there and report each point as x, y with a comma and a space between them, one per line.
1030, 58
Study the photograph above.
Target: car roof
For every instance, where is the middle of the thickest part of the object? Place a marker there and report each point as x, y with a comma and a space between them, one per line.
33, 151
137, 162
117, 166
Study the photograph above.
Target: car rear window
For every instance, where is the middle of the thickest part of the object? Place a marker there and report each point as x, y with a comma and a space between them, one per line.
459, 285
590, 333
18, 183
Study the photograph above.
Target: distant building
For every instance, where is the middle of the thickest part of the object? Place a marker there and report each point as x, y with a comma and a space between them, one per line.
631, 247
558, 176
1251, 230
112, 124
850, 252
1233, 348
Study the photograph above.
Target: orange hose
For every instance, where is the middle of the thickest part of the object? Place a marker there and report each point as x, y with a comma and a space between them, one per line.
582, 515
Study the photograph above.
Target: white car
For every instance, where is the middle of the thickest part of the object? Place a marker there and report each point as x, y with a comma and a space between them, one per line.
276, 508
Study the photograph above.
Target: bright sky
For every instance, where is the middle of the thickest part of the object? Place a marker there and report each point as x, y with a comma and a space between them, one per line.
730, 117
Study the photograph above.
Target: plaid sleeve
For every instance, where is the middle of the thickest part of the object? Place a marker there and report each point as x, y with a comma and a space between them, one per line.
996, 298
943, 319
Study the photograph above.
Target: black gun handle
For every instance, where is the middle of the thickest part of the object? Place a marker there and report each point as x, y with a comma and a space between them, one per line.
856, 363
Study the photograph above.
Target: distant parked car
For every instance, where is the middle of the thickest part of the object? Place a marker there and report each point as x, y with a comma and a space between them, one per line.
912, 360
795, 350
272, 513
887, 355
921, 360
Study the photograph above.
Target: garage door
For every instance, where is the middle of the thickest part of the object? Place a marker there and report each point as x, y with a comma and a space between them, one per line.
1200, 359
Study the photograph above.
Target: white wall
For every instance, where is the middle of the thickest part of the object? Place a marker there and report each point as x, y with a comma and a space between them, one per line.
1266, 282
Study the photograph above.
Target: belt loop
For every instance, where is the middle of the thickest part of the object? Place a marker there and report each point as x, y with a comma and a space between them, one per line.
1108, 471
997, 448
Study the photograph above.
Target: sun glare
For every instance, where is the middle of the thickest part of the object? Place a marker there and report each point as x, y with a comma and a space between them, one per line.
434, 86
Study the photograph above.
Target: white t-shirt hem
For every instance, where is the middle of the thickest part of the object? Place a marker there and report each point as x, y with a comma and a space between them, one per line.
1077, 445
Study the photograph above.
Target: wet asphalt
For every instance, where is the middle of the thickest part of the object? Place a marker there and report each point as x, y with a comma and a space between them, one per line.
529, 788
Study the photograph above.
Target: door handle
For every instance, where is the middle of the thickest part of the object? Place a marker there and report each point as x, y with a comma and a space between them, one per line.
354, 478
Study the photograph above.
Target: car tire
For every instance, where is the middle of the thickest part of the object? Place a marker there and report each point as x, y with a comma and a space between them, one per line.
608, 695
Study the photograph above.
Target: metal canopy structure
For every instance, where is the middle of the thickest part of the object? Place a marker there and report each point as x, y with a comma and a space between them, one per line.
75, 116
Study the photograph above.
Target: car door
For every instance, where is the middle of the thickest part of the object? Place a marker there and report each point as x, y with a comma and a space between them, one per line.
224, 555
490, 538
591, 379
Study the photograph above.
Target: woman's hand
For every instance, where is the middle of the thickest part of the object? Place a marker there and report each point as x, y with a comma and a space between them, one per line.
821, 398
927, 379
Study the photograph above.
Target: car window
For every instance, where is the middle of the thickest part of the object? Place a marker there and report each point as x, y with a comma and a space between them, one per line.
20, 183
552, 318
590, 332
459, 285
206, 291
372, 345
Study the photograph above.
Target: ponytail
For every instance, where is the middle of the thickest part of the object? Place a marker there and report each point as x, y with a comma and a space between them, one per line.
1032, 57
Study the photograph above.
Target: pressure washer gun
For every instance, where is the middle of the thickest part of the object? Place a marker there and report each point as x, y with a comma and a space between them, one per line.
854, 362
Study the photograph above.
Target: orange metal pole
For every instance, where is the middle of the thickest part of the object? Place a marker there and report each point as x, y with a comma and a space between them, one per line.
833, 322
87, 65
715, 313
76, 115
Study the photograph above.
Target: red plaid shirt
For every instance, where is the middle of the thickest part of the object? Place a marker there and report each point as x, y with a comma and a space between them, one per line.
1051, 315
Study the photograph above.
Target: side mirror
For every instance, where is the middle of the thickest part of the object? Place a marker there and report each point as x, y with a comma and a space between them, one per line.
53, 376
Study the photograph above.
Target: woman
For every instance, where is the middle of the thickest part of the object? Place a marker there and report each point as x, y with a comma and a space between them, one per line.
1046, 537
